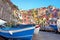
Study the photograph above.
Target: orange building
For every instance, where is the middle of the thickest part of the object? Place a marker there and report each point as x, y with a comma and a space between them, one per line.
26, 17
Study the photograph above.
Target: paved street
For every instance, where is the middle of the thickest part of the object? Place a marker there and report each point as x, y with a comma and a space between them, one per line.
46, 36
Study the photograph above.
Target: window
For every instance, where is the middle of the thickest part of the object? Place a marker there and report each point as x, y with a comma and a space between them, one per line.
28, 17
24, 15
24, 19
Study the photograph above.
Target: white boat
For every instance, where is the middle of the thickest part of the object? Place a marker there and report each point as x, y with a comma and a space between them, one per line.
58, 25
37, 28
2, 22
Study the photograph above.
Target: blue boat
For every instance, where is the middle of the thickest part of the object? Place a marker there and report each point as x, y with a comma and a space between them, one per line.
54, 27
22, 32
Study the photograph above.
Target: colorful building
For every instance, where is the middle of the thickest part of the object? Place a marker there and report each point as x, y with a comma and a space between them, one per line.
35, 15
26, 17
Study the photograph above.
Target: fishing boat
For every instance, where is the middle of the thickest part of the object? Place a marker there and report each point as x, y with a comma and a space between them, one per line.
20, 31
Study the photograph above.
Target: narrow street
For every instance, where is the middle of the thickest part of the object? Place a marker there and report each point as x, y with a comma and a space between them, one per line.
46, 36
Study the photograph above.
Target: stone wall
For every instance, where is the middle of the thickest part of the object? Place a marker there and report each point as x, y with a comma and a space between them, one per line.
6, 10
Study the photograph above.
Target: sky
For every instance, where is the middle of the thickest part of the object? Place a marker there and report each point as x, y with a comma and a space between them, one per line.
30, 4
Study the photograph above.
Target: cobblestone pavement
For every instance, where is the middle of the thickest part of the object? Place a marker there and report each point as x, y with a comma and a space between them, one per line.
46, 36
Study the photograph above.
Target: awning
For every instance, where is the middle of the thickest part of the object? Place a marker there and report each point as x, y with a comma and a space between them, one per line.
53, 19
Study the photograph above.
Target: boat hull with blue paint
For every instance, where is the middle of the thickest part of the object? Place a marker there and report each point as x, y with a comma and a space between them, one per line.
54, 27
22, 33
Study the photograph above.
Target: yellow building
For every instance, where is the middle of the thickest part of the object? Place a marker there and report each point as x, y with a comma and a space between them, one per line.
17, 16
35, 15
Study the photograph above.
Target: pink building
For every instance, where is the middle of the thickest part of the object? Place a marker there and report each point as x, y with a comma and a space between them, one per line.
25, 17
